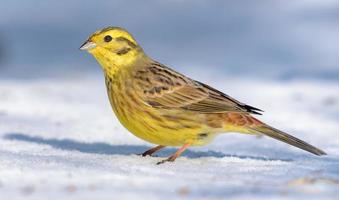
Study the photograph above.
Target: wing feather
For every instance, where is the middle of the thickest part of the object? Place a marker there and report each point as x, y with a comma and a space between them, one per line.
172, 90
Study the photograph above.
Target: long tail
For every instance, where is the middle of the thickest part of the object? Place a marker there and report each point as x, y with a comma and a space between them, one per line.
284, 137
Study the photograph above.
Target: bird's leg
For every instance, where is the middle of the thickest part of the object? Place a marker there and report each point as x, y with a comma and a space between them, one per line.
152, 150
175, 155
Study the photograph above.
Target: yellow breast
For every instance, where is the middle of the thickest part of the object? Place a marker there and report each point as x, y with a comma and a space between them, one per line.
158, 126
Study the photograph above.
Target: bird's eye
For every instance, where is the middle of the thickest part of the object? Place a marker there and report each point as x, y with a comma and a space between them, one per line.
107, 38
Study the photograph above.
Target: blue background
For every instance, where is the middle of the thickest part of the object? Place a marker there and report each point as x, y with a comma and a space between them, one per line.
265, 39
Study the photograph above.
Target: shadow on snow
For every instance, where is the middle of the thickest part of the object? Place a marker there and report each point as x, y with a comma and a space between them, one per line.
104, 148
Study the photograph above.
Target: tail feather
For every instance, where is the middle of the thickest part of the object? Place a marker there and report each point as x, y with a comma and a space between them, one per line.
289, 139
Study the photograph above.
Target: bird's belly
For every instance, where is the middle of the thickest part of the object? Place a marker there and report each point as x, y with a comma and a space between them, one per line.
165, 127
170, 130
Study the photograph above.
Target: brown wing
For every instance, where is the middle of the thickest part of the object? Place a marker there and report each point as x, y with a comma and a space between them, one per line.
165, 88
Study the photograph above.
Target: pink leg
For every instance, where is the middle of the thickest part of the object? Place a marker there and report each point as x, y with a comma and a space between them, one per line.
175, 155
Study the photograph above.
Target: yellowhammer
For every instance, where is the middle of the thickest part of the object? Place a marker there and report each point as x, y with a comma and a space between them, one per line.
164, 107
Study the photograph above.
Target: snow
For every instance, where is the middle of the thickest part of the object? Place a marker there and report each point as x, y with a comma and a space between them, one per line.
60, 140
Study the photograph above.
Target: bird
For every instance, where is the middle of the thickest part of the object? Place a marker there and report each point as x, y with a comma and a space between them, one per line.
166, 108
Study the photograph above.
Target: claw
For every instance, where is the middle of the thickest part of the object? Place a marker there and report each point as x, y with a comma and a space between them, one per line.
175, 155
151, 151
170, 159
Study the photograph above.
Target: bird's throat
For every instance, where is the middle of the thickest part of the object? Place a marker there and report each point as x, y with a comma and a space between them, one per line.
112, 63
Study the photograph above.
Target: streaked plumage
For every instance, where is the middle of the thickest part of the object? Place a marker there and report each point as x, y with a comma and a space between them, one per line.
164, 107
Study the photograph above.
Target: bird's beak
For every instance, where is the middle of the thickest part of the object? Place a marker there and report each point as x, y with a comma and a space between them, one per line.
88, 45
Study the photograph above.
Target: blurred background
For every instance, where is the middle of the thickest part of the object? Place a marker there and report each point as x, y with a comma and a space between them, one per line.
261, 39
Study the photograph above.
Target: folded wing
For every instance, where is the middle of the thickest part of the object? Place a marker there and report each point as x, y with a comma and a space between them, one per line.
172, 90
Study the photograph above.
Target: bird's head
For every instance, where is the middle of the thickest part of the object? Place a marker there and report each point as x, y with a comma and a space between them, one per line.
112, 47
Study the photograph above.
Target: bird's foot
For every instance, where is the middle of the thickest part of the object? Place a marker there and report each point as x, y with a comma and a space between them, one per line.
150, 152
146, 154
175, 155
169, 159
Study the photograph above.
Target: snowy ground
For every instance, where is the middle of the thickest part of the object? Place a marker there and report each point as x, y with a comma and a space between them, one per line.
60, 140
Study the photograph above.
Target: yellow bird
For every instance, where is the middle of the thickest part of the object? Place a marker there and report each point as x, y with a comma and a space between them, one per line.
164, 107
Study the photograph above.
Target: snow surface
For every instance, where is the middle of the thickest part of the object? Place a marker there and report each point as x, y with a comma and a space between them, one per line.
60, 140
